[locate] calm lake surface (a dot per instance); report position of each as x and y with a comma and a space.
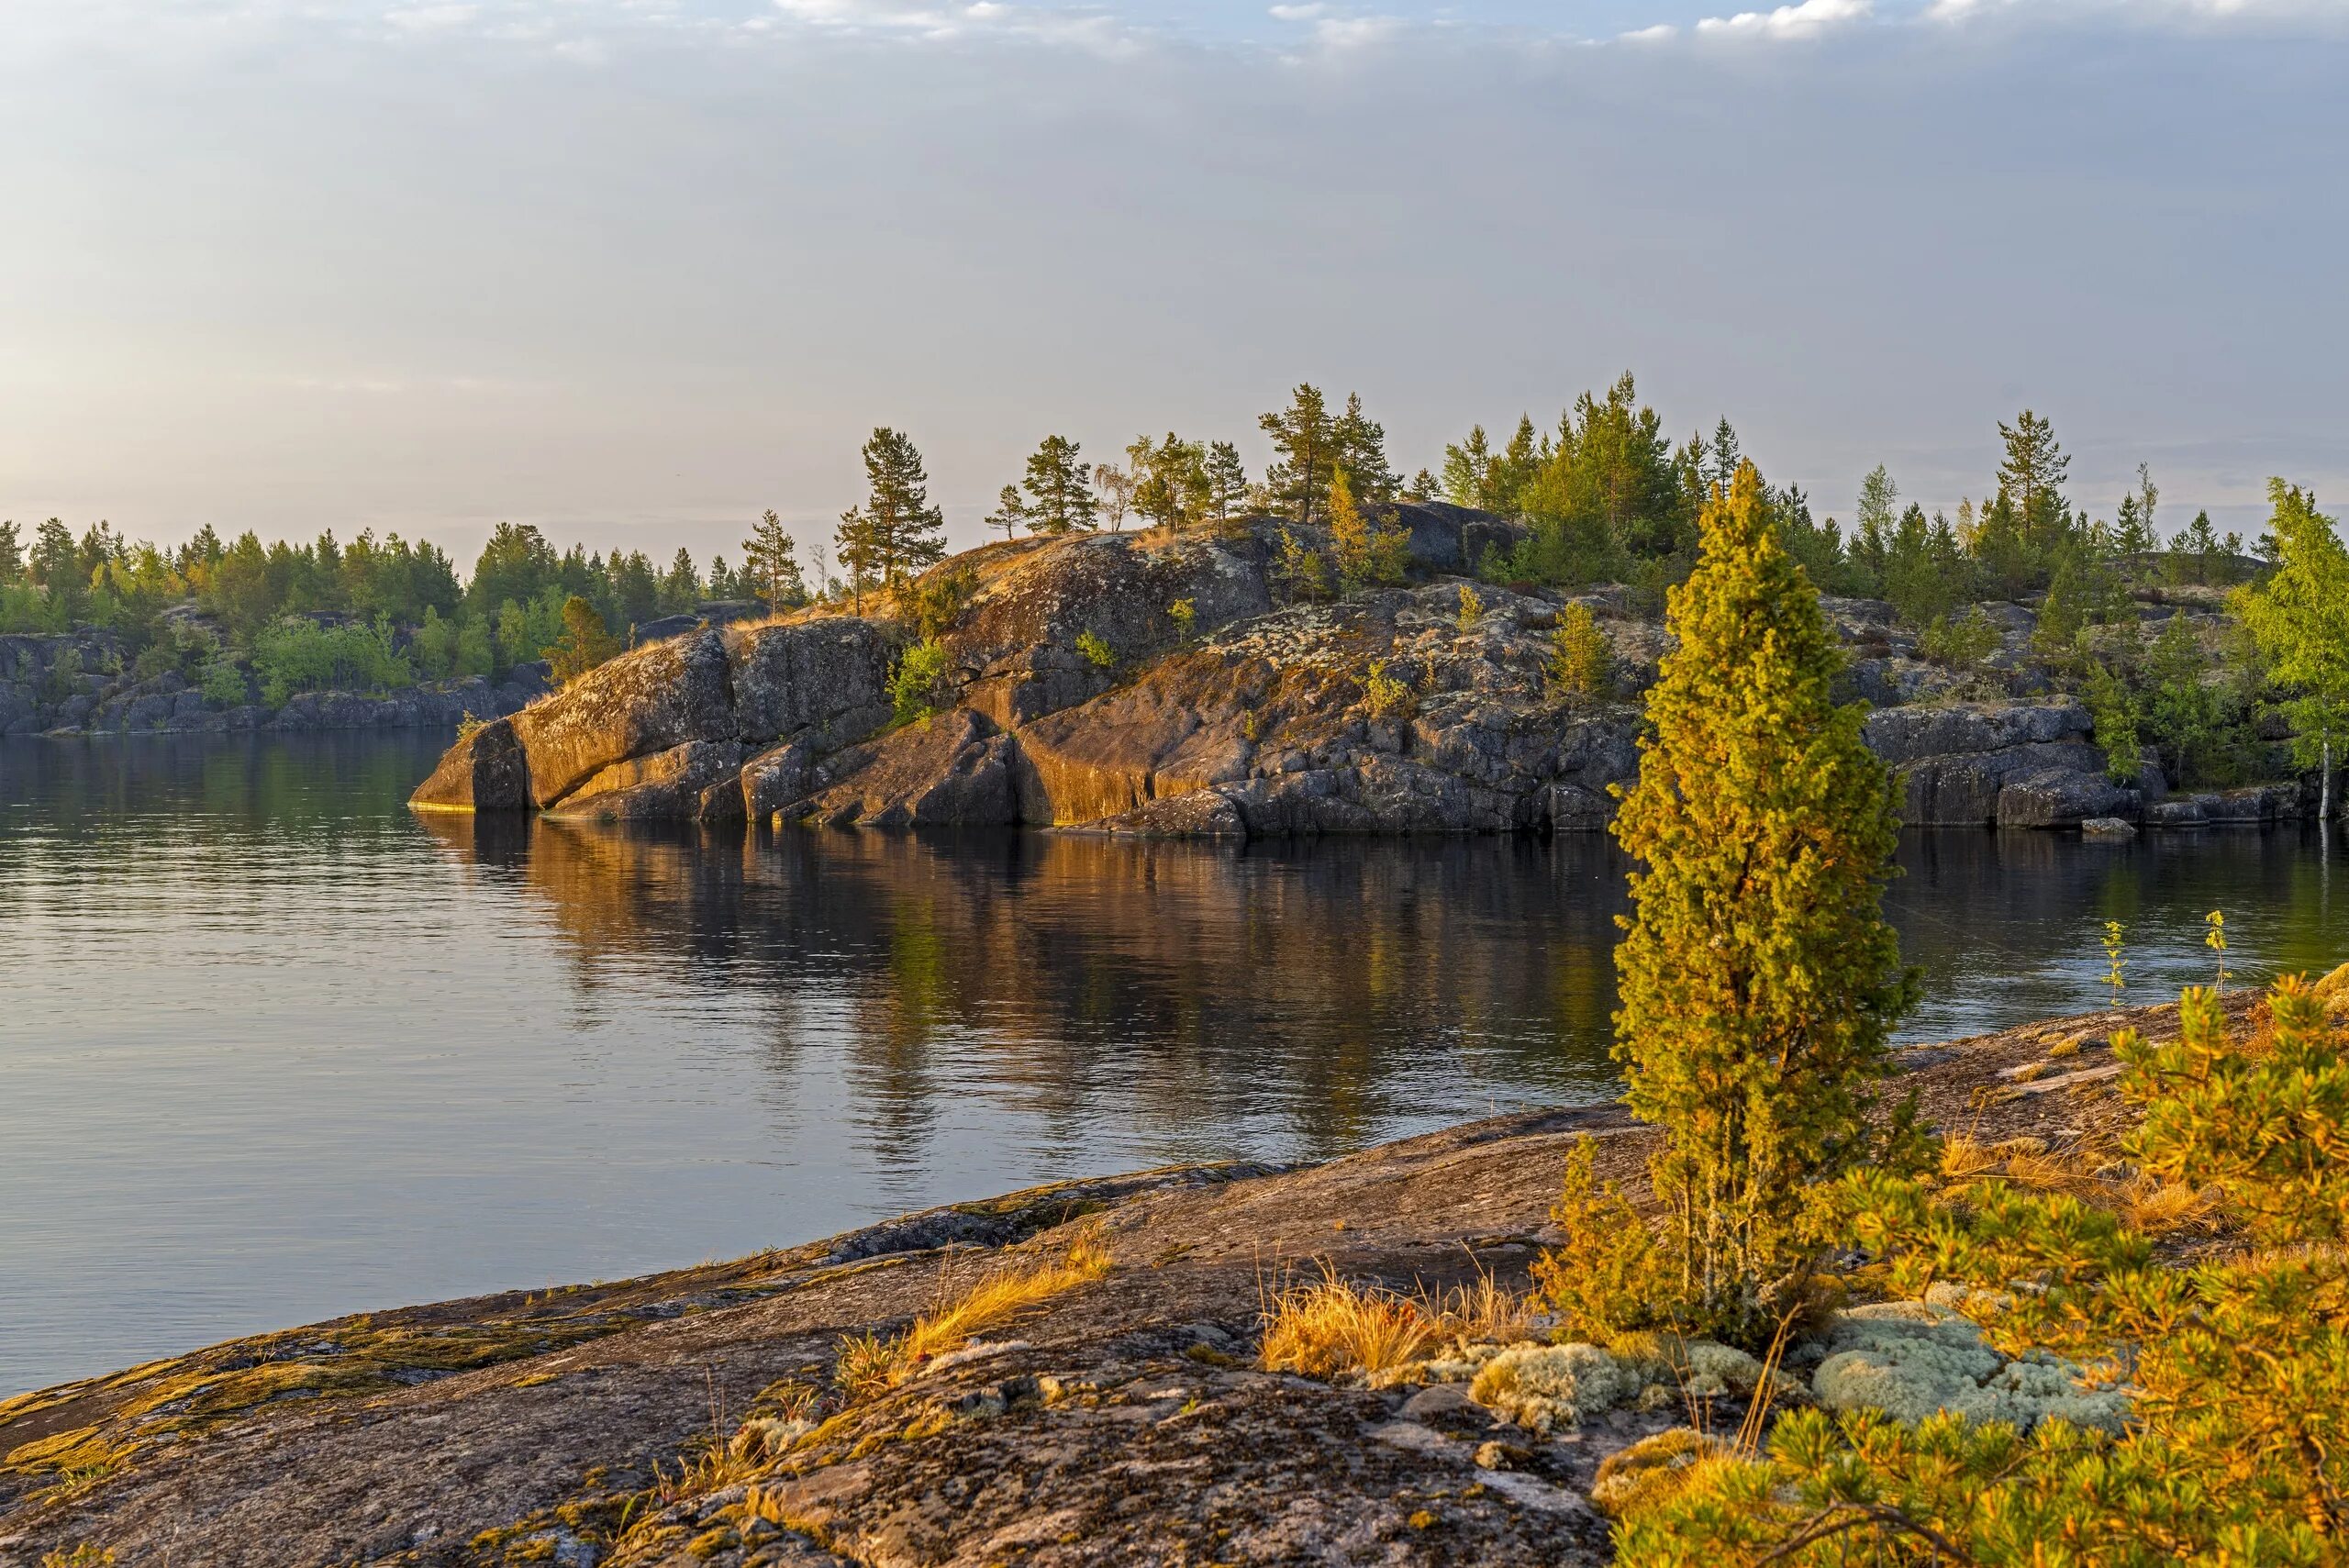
272, 1049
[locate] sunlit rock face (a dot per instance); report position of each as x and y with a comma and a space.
1192, 685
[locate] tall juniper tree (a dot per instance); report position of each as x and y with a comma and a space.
1757, 976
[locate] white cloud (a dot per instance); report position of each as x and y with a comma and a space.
1807, 20
1355, 32
430, 19
1297, 13
1659, 33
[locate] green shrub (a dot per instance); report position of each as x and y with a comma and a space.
1097, 653
221, 683
2237, 1367
1961, 642
1387, 698
1581, 659
297, 654
918, 687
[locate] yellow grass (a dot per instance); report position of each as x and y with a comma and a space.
866, 1364
1329, 1326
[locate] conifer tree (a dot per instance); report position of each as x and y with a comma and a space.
11, 556
586, 641
901, 532
2031, 480
1009, 512
1299, 477
1757, 976
2299, 618
1058, 497
1372, 551
1467, 469
1227, 481
771, 560
1360, 445
858, 553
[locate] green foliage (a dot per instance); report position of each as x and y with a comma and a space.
434, 646
1300, 569
1385, 697
2115, 969
1961, 642
584, 643
939, 599
771, 561
896, 530
1058, 499
1472, 607
919, 686
2197, 719
221, 683
2117, 717
1183, 612
2237, 1364
2300, 619
1757, 977
297, 654
1171, 483
1372, 550
1097, 653
1582, 662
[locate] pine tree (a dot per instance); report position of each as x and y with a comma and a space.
2032, 479
2299, 618
1467, 469
1058, 497
1170, 479
860, 555
1361, 454
1725, 459
771, 559
1581, 660
1009, 512
681, 588
12, 555
904, 533
1757, 976
1227, 481
584, 643
1303, 434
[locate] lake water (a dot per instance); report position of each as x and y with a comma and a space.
272, 1049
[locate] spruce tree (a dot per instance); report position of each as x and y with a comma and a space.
904, 532
1058, 497
1757, 976
771, 559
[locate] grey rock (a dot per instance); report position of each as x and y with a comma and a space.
2106, 827
644, 701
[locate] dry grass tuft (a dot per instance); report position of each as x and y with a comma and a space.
866, 1364
1326, 1327
1330, 1326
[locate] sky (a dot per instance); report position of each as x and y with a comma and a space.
636, 270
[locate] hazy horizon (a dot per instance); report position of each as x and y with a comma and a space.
634, 269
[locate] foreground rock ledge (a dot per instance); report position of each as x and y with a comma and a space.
401, 1437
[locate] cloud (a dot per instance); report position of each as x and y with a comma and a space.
2298, 16
1807, 20
1660, 33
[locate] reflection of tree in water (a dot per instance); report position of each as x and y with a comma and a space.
1312, 995
1309, 996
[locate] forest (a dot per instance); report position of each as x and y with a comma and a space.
2167, 633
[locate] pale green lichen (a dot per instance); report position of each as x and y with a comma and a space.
1912, 1359
1545, 1389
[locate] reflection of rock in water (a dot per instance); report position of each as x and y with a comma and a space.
1200, 984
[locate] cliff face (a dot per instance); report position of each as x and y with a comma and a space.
1140, 683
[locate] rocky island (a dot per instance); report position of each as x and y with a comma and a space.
1188, 684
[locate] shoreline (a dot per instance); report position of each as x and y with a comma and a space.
324, 1443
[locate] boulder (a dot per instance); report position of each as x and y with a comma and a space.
2106, 827
648, 700
663, 786
484, 771
829, 676
951, 770
2184, 812
2063, 798
775, 780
